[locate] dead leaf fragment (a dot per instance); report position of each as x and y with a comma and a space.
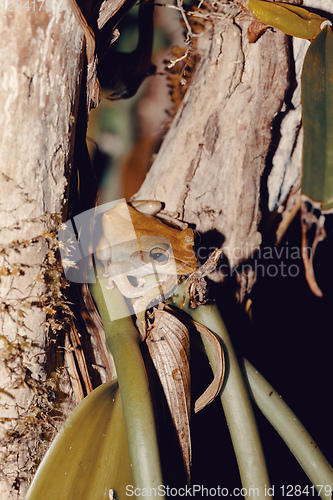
107, 10
169, 347
93, 86
196, 284
214, 388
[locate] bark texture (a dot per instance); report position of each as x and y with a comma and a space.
210, 166
233, 152
40, 67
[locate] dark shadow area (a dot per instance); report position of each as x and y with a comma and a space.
289, 340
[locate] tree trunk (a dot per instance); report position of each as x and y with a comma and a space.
210, 166
41, 66
231, 161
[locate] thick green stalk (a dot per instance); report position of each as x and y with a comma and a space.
292, 432
122, 339
236, 405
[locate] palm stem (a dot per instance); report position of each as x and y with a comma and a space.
236, 405
122, 339
292, 432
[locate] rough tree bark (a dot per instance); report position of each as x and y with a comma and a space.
233, 152
210, 166
41, 60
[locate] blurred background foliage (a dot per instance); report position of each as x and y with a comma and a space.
123, 135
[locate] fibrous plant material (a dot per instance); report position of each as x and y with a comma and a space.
169, 348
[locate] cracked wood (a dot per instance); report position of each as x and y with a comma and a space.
210, 165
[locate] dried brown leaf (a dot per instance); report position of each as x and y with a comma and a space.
169, 347
214, 388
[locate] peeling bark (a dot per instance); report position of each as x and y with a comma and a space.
210, 165
233, 152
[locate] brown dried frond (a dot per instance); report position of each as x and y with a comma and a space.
169, 348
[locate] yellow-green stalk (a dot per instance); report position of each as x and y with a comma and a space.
292, 432
122, 339
236, 405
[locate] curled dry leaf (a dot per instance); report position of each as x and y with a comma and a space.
214, 388
169, 347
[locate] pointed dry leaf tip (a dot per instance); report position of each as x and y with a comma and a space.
169, 347
214, 388
308, 220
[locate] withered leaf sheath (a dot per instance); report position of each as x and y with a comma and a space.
317, 181
214, 388
169, 347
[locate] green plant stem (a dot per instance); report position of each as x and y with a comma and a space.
292, 432
236, 405
122, 338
